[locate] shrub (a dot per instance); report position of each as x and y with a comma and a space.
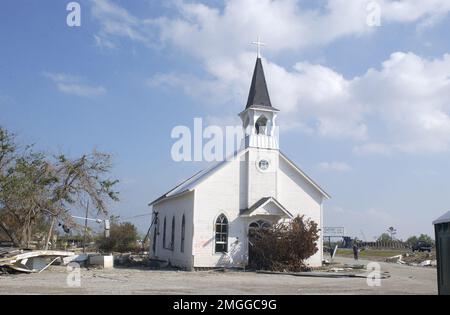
123, 238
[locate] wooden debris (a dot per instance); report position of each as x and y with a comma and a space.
31, 262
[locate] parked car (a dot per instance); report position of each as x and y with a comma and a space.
422, 247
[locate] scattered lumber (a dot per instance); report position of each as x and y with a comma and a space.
30, 261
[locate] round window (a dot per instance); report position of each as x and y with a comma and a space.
264, 165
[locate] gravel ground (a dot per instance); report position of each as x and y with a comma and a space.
403, 280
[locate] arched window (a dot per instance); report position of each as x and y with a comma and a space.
172, 236
183, 233
254, 225
261, 224
261, 126
221, 234
164, 232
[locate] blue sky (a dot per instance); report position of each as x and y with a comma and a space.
365, 110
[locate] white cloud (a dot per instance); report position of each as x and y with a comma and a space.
338, 167
285, 24
401, 107
413, 10
214, 91
409, 96
372, 148
69, 84
117, 22
315, 98
102, 41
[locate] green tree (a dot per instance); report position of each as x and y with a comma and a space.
123, 238
37, 190
412, 240
426, 238
7, 150
385, 237
422, 238
24, 195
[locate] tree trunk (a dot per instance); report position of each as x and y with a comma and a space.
50, 231
11, 236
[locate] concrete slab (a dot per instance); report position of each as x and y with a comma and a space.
105, 262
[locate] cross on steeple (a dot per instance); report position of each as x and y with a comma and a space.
258, 44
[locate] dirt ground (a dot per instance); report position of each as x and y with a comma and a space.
403, 280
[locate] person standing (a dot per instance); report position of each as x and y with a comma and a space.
355, 251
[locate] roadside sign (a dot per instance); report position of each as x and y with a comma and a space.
333, 231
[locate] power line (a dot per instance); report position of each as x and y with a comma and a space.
136, 216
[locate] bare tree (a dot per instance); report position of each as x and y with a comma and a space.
81, 181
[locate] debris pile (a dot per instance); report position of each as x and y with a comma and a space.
283, 247
142, 260
414, 259
131, 260
345, 271
17, 260
396, 259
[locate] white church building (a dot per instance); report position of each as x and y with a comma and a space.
205, 221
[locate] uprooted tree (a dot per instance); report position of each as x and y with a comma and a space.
284, 246
37, 191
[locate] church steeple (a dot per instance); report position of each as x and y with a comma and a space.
259, 94
259, 117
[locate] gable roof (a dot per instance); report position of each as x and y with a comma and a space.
261, 203
192, 182
304, 175
259, 94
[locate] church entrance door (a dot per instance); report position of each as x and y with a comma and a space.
253, 230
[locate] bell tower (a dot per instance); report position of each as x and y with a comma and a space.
259, 121
259, 118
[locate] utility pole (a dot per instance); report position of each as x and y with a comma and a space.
392, 232
85, 227
154, 222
